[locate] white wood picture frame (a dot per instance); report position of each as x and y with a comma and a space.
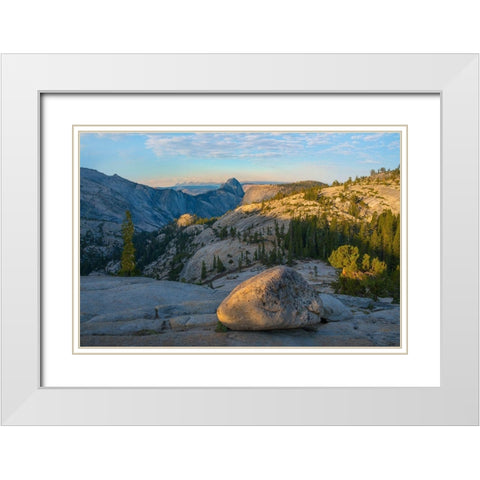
26, 77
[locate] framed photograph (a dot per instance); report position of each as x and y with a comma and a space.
206, 263
240, 239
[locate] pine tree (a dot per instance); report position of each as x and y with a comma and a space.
290, 256
272, 257
366, 262
204, 270
277, 231
345, 257
128, 266
223, 233
378, 267
220, 266
396, 242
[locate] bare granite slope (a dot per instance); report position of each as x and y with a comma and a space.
139, 311
262, 218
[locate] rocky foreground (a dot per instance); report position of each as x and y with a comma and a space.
141, 311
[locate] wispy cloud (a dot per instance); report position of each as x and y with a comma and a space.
235, 145
373, 137
370, 161
112, 136
394, 145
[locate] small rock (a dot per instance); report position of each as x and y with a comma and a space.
355, 302
186, 322
387, 316
113, 267
333, 309
385, 299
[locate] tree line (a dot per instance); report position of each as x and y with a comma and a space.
316, 237
373, 246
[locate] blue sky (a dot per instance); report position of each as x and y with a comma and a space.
164, 158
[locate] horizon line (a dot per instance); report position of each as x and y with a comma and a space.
216, 182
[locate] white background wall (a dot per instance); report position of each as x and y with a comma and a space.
246, 452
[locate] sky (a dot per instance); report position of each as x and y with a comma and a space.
161, 159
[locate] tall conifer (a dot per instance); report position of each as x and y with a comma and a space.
128, 265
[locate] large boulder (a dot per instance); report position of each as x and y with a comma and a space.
276, 298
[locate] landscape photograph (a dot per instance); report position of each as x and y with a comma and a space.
235, 239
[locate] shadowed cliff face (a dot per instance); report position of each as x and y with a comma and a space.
106, 198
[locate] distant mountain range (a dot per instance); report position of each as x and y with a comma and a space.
106, 198
195, 188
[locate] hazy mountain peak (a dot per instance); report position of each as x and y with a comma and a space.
232, 181
233, 185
